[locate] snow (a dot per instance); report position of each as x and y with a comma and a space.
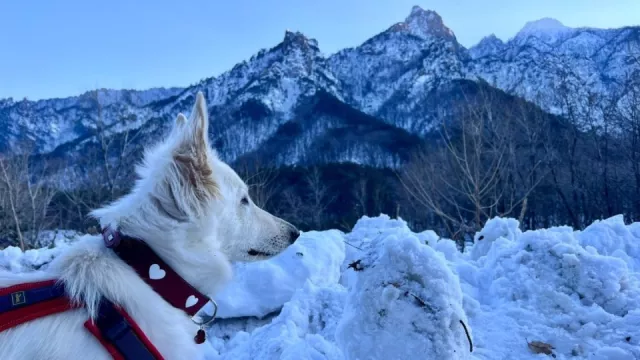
546, 286
405, 289
382, 291
14, 260
316, 257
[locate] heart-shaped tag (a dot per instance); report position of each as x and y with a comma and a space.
155, 273
191, 300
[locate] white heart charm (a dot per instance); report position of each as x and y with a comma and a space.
191, 300
155, 273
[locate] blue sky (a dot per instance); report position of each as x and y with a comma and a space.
60, 48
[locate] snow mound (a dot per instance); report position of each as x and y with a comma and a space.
383, 291
494, 230
546, 286
612, 237
404, 290
260, 288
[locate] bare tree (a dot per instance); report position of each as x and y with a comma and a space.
103, 172
292, 207
25, 197
361, 196
114, 146
12, 191
318, 199
262, 183
474, 175
628, 114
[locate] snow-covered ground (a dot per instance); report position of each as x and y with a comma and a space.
385, 292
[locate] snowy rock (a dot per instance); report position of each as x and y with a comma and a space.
489, 45
407, 61
546, 56
424, 24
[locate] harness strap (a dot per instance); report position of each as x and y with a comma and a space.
25, 302
120, 335
114, 328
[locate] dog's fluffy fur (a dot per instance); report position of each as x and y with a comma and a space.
194, 211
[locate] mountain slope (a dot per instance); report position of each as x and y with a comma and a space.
369, 104
53, 122
392, 72
326, 130
554, 65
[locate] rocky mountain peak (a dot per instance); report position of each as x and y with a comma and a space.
424, 24
488, 45
296, 39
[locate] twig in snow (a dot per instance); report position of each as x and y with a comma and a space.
420, 301
346, 242
468, 337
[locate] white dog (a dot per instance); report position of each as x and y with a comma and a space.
193, 211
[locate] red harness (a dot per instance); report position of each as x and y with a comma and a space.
113, 327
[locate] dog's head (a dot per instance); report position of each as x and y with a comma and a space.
184, 189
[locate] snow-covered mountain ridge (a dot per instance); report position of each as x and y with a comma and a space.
548, 63
400, 80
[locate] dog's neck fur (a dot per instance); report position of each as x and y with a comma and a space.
176, 243
82, 269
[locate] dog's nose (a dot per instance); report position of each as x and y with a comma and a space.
294, 234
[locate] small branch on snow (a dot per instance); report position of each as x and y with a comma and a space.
466, 331
421, 302
346, 242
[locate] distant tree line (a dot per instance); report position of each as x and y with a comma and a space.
489, 157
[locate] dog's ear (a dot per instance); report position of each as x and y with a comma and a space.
192, 153
181, 121
192, 132
197, 127
178, 127
186, 186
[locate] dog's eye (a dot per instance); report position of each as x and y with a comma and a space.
244, 201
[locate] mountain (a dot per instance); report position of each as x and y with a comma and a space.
393, 74
53, 122
276, 107
559, 67
370, 104
250, 102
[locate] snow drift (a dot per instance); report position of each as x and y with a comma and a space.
385, 292
405, 300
